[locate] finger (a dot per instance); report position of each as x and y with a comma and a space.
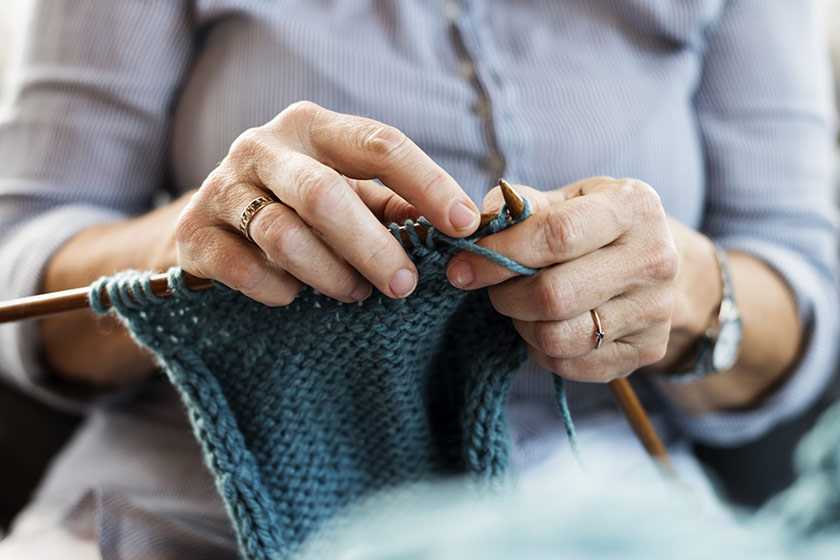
290, 243
325, 201
560, 231
563, 291
620, 318
618, 359
285, 239
365, 149
386, 205
210, 252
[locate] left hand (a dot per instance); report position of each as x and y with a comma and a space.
600, 243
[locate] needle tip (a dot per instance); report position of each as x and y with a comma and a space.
515, 204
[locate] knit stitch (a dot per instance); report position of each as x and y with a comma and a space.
303, 409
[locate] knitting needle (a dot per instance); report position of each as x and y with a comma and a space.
45, 305
621, 389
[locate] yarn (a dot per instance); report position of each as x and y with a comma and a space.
304, 409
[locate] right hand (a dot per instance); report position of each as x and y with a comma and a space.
327, 232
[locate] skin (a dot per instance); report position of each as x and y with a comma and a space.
600, 243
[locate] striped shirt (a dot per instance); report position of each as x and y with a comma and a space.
723, 106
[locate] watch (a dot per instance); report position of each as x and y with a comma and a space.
719, 345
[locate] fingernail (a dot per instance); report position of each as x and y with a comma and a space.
362, 291
462, 216
461, 274
403, 283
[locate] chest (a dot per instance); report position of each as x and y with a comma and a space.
545, 92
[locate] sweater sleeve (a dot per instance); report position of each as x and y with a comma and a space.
765, 111
83, 140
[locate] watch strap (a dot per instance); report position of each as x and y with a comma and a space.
703, 364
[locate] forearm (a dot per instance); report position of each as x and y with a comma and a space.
772, 333
83, 346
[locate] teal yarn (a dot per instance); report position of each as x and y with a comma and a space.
433, 236
303, 410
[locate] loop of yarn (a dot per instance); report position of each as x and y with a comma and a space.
127, 290
435, 236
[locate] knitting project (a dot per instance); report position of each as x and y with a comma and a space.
303, 409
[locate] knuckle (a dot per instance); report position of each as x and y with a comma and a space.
565, 367
214, 185
249, 145
551, 296
434, 185
287, 294
661, 260
298, 114
378, 249
284, 238
561, 233
553, 339
341, 285
383, 142
244, 277
643, 198
189, 223
632, 358
650, 354
319, 193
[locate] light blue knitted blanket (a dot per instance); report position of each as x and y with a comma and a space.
304, 409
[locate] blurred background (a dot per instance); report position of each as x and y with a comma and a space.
31, 433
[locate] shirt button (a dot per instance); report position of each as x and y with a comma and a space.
494, 164
451, 11
481, 107
466, 69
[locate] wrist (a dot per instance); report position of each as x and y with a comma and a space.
93, 349
697, 296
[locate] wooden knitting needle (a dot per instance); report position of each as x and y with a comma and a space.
46, 305
621, 389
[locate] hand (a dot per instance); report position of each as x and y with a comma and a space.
601, 244
327, 232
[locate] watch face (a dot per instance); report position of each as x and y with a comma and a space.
725, 352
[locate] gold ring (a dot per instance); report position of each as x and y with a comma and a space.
250, 211
599, 332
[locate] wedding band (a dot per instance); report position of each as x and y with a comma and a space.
250, 211
599, 332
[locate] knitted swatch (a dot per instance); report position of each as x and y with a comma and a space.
303, 409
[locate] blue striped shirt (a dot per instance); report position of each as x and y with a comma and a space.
724, 107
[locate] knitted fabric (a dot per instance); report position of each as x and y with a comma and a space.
303, 409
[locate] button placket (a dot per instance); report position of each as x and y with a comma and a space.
494, 163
